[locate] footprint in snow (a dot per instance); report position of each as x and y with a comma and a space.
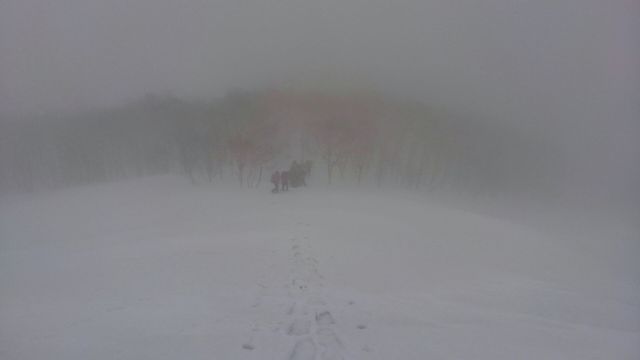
292, 309
299, 327
324, 318
304, 349
331, 348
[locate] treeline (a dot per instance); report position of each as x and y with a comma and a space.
356, 138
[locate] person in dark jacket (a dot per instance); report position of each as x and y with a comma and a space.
275, 180
294, 173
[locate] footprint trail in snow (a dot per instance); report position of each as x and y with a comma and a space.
307, 320
311, 320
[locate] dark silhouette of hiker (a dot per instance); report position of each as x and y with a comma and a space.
295, 174
284, 180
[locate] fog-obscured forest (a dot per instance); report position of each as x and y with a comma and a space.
358, 138
319, 179
498, 99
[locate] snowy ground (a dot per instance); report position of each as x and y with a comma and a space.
159, 269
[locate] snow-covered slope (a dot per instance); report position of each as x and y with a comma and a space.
159, 269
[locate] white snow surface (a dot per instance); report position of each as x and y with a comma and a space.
159, 269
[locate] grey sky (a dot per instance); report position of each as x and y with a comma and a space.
493, 53
561, 66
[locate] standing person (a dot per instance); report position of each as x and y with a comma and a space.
294, 172
284, 179
275, 180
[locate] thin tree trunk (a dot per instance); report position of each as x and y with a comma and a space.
259, 177
240, 173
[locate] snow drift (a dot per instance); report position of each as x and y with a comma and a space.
159, 269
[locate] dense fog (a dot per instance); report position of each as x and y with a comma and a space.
319, 179
497, 98
351, 138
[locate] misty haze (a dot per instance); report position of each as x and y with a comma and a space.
225, 179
